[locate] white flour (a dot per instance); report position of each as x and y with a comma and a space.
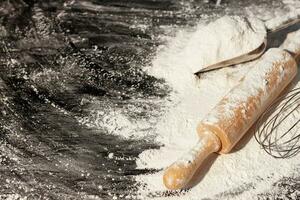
276, 22
236, 36
248, 170
290, 44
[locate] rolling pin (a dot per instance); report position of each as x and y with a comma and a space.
230, 119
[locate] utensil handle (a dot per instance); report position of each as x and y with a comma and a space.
178, 175
281, 22
239, 59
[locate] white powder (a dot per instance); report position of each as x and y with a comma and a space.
277, 22
117, 122
291, 44
248, 169
202, 144
236, 36
110, 155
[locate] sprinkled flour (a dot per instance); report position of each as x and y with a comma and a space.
248, 171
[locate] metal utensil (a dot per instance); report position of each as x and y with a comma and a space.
276, 137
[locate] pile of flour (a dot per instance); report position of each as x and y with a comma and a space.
246, 172
235, 36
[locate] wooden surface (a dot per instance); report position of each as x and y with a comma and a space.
63, 60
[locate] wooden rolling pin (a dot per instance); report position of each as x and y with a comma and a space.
230, 119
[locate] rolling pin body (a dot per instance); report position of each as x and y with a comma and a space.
230, 119
239, 109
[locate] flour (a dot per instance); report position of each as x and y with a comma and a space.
116, 122
277, 22
248, 170
291, 44
236, 36
204, 143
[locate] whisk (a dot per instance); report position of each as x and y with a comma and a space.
278, 128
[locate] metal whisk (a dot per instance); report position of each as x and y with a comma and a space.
278, 128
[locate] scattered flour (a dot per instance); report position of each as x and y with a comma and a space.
110, 155
248, 170
117, 122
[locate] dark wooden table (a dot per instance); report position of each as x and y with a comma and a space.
63, 60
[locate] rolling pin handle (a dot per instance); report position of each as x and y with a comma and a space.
180, 172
